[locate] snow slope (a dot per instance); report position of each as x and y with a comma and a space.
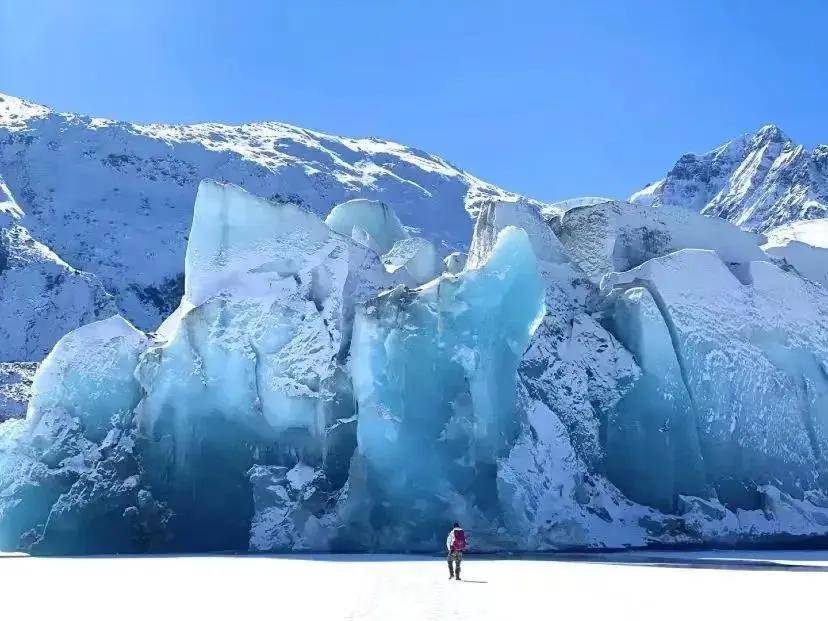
15, 388
811, 232
758, 181
802, 245
43, 296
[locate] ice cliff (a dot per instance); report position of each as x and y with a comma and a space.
600, 375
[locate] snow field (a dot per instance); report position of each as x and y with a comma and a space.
395, 588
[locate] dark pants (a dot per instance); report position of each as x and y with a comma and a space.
457, 557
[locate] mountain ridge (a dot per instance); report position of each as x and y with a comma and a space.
758, 181
115, 199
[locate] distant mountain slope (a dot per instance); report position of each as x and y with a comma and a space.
759, 181
42, 296
115, 199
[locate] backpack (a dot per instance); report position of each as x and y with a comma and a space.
459, 543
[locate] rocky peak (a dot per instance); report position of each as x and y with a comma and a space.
758, 181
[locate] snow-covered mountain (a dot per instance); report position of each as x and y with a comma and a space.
114, 199
592, 373
758, 181
43, 296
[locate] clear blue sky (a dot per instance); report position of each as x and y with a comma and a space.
551, 99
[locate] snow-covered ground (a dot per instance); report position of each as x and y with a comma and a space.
612, 587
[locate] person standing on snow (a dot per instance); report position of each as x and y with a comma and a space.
456, 543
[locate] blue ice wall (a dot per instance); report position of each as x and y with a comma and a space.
434, 374
248, 371
251, 372
650, 440
740, 358
70, 477
302, 398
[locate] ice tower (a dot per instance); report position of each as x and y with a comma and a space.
435, 375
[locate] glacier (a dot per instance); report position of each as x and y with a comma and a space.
251, 373
617, 236
371, 222
753, 403
437, 367
416, 258
599, 375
